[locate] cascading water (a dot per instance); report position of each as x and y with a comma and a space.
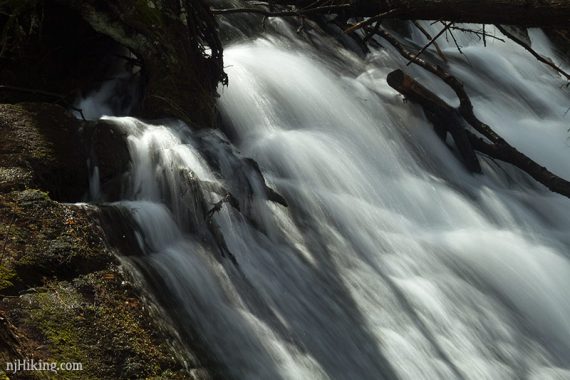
390, 261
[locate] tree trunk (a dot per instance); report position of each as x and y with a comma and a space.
543, 13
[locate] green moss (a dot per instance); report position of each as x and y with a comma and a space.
148, 12
99, 322
6, 277
56, 316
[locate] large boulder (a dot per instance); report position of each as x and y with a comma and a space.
43, 146
64, 294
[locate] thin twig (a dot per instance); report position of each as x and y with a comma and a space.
458, 47
32, 91
447, 26
478, 33
428, 36
370, 20
263, 12
455, 42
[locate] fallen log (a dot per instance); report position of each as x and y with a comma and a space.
444, 118
527, 13
547, 13
497, 148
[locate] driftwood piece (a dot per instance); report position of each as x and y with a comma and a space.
498, 149
443, 117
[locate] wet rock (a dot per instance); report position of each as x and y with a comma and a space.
121, 230
109, 152
64, 297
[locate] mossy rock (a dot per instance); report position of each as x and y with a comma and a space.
100, 321
7, 275
67, 299
46, 239
63, 296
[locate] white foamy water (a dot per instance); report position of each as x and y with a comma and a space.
391, 260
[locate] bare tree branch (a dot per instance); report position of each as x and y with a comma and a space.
533, 52
429, 37
295, 12
371, 20
479, 33
429, 44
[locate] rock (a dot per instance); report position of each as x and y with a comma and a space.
15, 178
42, 140
120, 230
99, 320
47, 239
109, 152
64, 296
74, 58
41, 146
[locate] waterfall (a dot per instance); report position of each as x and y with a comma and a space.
390, 260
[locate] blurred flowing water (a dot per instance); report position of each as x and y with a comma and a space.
390, 261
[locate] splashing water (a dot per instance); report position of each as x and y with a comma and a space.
391, 260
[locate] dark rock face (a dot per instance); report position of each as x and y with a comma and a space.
64, 296
43, 146
39, 144
53, 51
561, 40
108, 151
